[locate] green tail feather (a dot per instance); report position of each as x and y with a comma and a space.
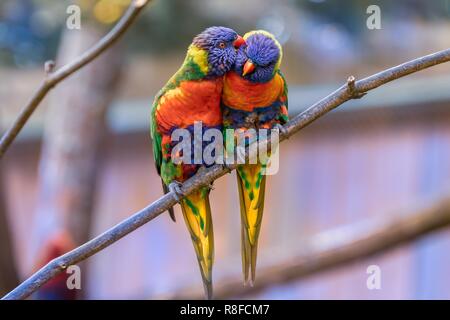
197, 215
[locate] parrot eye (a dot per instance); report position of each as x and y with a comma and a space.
222, 45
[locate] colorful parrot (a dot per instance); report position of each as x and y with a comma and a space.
254, 97
193, 94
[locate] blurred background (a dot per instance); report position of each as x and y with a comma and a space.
83, 163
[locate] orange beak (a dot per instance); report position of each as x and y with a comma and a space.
239, 42
249, 67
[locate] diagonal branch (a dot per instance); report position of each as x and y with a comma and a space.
53, 78
352, 89
334, 248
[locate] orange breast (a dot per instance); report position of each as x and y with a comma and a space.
191, 101
241, 94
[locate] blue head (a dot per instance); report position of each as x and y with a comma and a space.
219, 44
260, 58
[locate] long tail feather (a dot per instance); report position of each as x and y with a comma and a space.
251, 185
170, 210
197, 215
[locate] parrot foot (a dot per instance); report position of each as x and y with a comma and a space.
175, 188
281, 129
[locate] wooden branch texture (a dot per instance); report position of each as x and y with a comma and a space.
352, 89
53, 78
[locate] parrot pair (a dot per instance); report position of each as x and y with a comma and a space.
227, 82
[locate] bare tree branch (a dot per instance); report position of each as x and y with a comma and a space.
53, 78
352, 89
333, 248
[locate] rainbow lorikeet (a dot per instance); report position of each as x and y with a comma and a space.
254, 97
193, 94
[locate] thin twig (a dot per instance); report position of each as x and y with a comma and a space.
334, 248
53, 78
330, 102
